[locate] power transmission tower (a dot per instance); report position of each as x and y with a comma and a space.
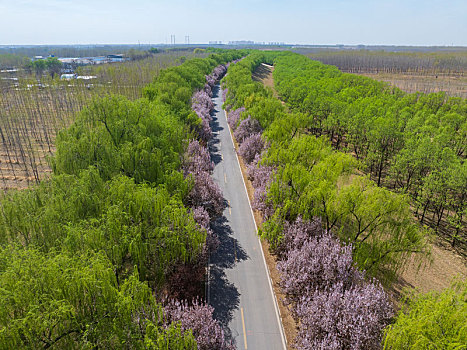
187, 39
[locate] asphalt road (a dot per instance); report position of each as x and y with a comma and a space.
239, 289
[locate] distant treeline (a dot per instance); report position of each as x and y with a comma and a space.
21, 56
364, 61
71, 51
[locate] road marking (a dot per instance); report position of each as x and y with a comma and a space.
244, 332
230, 208
225, 177
222, 157
276, 307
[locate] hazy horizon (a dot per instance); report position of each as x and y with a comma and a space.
392, 23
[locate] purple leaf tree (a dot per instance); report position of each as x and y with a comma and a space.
207, 194
202, 218
234, 117
250, 147
316, 264
199, 318
197, 158
247, 128
260, 176
340, 318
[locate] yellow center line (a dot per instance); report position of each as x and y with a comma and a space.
244, 331
230, 209
225, 177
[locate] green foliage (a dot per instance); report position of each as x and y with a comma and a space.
53, 65
310, 178
75, 303
50, 64
8, 60
133, 225
135, 138
84, 254
415, 143
431, 321
379, 225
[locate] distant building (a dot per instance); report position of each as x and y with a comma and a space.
68, 76
86, 77
115, 58
241, 42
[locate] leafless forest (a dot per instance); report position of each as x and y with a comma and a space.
33, 111
410, 71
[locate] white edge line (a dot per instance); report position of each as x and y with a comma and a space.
276, 307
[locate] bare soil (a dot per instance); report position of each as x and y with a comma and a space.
263, 74
453, 85
444, 265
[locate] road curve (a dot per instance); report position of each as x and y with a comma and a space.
239, 289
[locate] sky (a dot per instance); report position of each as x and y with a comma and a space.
384, 22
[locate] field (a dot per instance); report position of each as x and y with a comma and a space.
453, 85
422, 71
32, 113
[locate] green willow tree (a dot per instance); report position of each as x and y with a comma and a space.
403, 139
76, 303
86, 255
313, 180
431, 321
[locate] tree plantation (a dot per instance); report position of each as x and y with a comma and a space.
89, 255
34, 107
353, 179
338, 214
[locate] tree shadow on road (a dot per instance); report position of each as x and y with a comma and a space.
214, 143
223, 295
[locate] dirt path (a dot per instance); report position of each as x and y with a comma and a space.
435, 275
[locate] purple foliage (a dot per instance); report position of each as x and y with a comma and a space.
199, 318
197, 158
260, 176
202, 218
247, 128
336, 307
205, 131
210, 81
219, 72
202, 104
234, 117
208, 89
250, 147
207, 194
340, 318
318, 264
295, 234
214, 77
